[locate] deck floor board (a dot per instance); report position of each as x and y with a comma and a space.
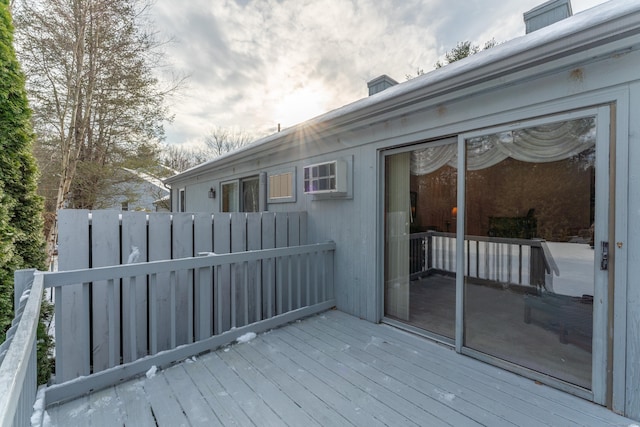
428, 389
332, 369
134, 409
487, 379
428, 369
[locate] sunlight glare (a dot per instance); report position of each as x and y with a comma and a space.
302, 104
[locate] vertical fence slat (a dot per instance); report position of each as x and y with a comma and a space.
113, 321
72, 330
182, 240
190, 304
254, 242
282, 241
203, 242
307, 279
173, 308
153, 314
289, 263
234, 299
105, 251
279, 285
134, 250
245, 293
222, 245
131, 324
160, 249
238, 244
268, 266
217, 300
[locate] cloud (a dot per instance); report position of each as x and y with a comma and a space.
256, 63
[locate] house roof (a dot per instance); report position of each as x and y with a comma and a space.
148, 178
587, 30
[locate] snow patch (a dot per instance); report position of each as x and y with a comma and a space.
374, 341
152, 372
46, 421
444, 396
38, 408
246, 337
25, 295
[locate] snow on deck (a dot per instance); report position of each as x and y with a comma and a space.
331, 369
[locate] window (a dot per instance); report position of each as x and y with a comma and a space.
282, 187
241, 195
125, 206
329, 177
230, 196
250, 194
182, 200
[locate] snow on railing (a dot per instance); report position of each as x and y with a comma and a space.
18, 366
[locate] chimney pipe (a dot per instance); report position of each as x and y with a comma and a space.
546, 14
380, 83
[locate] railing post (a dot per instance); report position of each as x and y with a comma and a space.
536, 267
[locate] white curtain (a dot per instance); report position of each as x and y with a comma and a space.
538, 144
398, 217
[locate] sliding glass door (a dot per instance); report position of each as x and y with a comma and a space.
508, 259
530, 213
420, 218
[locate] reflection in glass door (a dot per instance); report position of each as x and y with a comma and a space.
420, 226
529, 247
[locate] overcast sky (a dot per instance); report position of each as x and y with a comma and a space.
255, 63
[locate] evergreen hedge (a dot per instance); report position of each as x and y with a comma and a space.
21, 225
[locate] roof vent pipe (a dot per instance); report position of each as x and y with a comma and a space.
380, 83
546, 14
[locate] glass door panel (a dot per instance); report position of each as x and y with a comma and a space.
529, 247
420, 226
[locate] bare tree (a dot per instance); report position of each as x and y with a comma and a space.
181, 158
90, 67
221, 140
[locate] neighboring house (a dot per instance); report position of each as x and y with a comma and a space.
491, 205
139, 191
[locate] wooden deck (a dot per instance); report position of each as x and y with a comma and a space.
332, 369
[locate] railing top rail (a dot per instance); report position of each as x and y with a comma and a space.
13, 369
506, 240
70, 277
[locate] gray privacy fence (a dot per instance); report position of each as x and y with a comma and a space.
125, 319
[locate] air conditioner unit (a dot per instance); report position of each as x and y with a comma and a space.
326, 178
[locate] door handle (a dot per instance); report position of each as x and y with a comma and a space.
604, 261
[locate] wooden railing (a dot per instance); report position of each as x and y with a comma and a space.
229, 295
18, 370
505, 260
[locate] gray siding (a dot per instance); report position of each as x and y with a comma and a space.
601, 76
